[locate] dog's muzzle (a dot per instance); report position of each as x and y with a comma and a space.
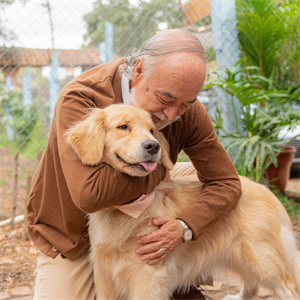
151, 146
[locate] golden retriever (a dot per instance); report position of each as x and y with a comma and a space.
254, 239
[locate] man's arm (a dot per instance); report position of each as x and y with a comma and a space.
214, 168
97, 187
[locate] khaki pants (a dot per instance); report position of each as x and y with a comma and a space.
65, 279
61, 278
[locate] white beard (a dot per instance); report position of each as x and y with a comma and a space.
158, 114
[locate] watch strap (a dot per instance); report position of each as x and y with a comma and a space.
185, 228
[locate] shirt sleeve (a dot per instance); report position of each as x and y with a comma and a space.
93, 187
215, 169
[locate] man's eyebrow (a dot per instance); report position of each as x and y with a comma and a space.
168, 94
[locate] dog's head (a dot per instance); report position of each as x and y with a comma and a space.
122, 136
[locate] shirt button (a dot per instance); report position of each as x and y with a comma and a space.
54, 249
85, 234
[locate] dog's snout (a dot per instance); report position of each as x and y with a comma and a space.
151, 146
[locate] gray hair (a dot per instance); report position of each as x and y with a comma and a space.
161, 44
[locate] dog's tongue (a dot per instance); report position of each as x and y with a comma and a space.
149, 165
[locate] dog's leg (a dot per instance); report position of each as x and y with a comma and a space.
105, 287
150, 292
244, 294
284, 294
150, 284
281, 293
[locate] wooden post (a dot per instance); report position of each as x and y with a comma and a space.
39, 157
28, 187
14, 206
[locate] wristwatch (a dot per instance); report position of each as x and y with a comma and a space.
187, 231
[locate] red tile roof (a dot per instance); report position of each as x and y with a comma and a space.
20, 57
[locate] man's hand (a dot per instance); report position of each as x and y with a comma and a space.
167, 238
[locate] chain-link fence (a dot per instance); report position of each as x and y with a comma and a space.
44, 44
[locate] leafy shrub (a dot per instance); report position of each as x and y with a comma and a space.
13, 114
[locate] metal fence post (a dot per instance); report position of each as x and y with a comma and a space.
102, 47
107, 47
225, 37
54, 84
9, 130
27, 92
8, 82
109, 41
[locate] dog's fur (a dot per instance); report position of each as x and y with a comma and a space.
254, 239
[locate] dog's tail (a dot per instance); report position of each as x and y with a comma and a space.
297, 273
292, 260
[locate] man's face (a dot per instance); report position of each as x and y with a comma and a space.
170, 88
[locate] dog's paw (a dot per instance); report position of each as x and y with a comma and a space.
233, 297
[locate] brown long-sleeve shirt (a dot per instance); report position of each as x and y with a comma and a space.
64, 190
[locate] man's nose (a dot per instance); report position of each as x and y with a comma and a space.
173, 112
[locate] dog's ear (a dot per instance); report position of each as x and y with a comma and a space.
87, 137
164, 145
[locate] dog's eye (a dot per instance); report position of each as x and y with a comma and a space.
123, 127
151, 131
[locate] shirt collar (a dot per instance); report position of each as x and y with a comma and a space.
125, 90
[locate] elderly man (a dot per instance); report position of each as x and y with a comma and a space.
164, 78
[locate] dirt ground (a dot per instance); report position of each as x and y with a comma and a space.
17, 256
17, 259
26, 167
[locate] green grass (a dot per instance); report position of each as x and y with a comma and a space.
3, 182
291, 206
25, 169
182, 157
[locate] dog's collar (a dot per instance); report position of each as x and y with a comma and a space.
137, 207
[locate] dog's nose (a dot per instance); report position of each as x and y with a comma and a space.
151, 146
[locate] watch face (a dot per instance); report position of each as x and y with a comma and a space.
188, 235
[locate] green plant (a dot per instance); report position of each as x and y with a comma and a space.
21, 119
38, 140
269, 35
182, 157
265, 113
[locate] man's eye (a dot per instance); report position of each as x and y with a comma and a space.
123, 127
162, 100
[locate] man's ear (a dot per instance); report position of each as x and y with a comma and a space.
164, 145
87, 137
137, 72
